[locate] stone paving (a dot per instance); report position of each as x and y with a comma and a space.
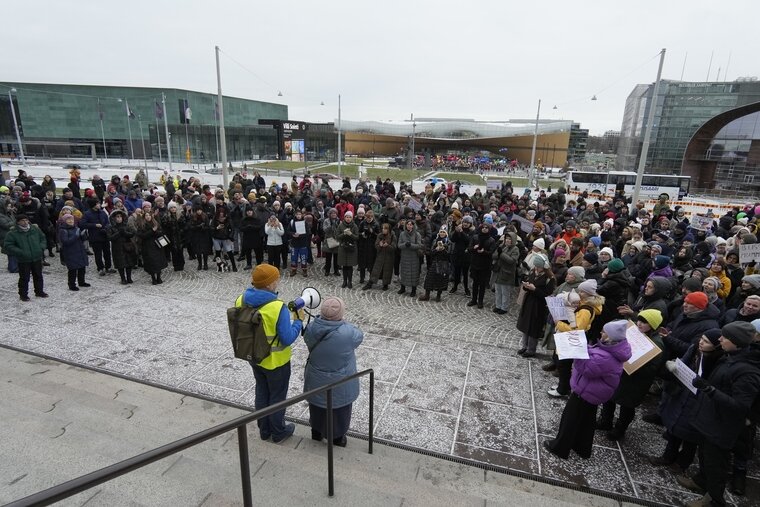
447, 377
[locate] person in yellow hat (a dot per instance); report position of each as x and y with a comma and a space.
272, 374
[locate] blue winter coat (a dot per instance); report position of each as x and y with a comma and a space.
331, 360
73, 252
90, 220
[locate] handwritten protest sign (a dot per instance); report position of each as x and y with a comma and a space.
493, 185
559, 310
684, 375
643, 349
414, 204
749, 253
701, 223
571, 345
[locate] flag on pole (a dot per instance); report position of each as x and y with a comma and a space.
185, 113
130, 114
216, 110
159, 110
100, 111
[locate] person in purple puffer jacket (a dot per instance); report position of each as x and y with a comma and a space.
593, 382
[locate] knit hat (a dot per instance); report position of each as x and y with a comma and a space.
689, 237
740, 333
639, 245
578, 272
652, 317
116, 201
589, 287
608, 251
63, 217
661, 261
615, 266
715, 281
698, 299
591, 258
753, 280
596, 240
264, 275
558, 253
713, 335
21, 217
146, 204
756, 322
539, 261
488, 219
539, 243
616, 330
332, 308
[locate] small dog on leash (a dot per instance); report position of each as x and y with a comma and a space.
222, 266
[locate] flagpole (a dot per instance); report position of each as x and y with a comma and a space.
187, 136
102, 132
158, 134
129, 127
222, 140
166, 131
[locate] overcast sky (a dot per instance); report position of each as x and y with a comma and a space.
487, 60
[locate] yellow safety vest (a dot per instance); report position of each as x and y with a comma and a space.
280, 354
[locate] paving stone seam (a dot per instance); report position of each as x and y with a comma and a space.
535, 416
627, 471
461, 404
395, 384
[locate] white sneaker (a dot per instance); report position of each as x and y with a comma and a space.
554, 393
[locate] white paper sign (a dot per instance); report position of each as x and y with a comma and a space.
571, 345
701, 223
300, 227
639, 343
414, 205
559, 310
749, 253
684, 374
493, 185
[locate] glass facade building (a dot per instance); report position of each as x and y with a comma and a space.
681, 109
63, 120
736, 150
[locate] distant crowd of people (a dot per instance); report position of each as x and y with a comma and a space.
614, 263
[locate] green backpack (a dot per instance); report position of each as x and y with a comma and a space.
249, 339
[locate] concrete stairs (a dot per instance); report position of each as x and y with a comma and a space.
61, 421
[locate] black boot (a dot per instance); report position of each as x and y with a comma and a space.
738, 484
123, 276
345, 278
401, 290
350, 277
129, 275
231, 256
453, 289
200, 263
467, 291
158, 278
361, 275
73, 279
438, 297
80, 278
205, 262
153, 279
367, 285
414, 291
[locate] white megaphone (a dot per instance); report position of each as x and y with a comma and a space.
310, 298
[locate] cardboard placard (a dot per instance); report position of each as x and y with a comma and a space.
571, 345
559, 310
643, 349
700, 223
749, 253
300, 227
414, 204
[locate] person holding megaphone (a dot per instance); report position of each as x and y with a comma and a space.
272, 374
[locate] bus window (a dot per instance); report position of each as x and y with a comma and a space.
650, 181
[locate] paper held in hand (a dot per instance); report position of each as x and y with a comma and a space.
300, 227
643, 349
684, 375
749, 252
559, 311
571, 345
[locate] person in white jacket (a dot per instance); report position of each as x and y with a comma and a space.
274, 231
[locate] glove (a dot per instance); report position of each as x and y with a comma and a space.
301, 315
670, 366
408, 244
702, 385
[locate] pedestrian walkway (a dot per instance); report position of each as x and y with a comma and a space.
448, 380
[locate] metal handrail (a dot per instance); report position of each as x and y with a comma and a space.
92, 479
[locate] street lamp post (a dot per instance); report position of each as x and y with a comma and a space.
15, 124
102, 132
142, 143
222, 138
129, 129
647, 134
166, 131
533, 150
340, 148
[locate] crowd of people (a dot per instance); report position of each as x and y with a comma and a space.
615, 263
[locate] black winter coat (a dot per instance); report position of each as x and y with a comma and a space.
481, 260
534, 312
252, 229
198, 235
91, 220
73, 252
686, 330
722, 414
154, 258
123, 250
614, 288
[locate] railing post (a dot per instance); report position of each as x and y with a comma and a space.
371, 409
245, 468
329, 435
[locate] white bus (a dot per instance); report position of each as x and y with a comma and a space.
606, 184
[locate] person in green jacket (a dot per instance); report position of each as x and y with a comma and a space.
27, 243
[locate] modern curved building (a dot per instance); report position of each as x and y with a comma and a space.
706, 130
557, 142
